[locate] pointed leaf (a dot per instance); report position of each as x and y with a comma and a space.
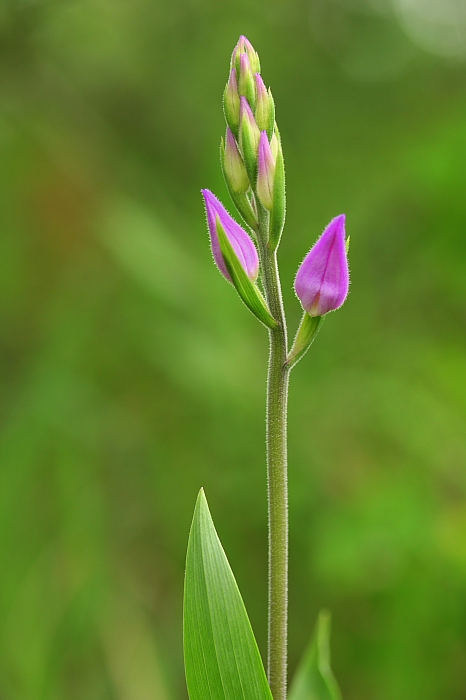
248, 291
314, 679
221, 656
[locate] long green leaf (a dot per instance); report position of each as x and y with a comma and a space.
314, 679
222, 660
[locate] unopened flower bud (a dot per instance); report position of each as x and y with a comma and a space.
237, 51
231, 102
241, 243
246, 82
249, 136
248, 121
233, 166
274, 145
265, 107
252, 55
245, 46
265, 172
322, 280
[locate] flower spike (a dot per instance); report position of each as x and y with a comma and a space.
322, 280
241, 243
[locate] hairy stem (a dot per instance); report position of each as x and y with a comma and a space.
277, 480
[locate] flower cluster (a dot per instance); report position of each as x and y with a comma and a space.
252, 162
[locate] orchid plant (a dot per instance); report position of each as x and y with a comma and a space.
222, 659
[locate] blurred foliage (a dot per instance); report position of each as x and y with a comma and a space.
132, 375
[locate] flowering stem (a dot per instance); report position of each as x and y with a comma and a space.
277, 396
252, 163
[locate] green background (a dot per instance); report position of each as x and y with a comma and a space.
131, 374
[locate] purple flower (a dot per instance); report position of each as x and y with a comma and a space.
322, 280
239, 239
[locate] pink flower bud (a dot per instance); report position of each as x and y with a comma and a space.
233, 164
274, 145
240, 241
245, 46
248, 125
265, 108
231, 102
246, 83
265, 172
322, 280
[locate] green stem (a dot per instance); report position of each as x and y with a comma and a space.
277, 480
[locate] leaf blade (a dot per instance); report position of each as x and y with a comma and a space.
221, 656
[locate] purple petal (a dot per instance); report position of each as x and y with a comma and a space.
322, 280
239, 239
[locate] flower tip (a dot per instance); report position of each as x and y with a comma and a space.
341, 218
245, 110
261, 89
337, 224
208, 196
340, 222
334, 231
244, 64
229, 137
244, 42
265, 157
244, 46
